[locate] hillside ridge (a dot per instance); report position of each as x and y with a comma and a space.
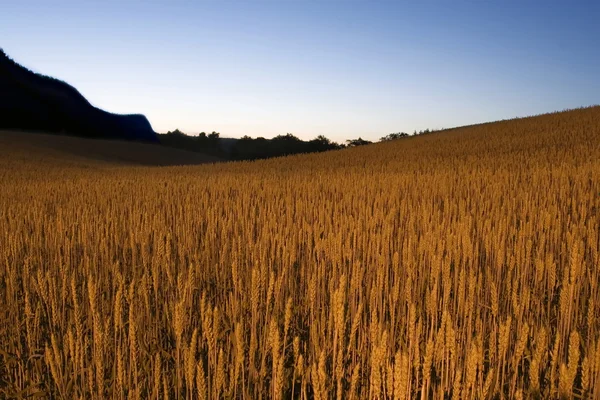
32, 101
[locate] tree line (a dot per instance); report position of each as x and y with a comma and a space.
248, 148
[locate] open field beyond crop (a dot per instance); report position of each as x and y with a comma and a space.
462, 264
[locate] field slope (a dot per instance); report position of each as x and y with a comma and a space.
462, 264
51, 150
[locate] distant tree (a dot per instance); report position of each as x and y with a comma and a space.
288, 137
213, 137
423, 132
393, 136
200, 143
357, 142
321, 143
247, 148
287, 144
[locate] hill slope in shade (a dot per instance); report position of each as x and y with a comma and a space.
56, 150
32, 101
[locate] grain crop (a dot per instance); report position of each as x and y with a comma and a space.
462, 264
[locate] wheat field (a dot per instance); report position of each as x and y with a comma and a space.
458, 265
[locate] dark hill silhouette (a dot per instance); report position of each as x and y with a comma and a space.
31, 101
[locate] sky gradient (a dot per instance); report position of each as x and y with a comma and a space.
342, 69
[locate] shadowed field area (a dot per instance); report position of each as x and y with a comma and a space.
45, 148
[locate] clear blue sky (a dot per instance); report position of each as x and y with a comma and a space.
339, 68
